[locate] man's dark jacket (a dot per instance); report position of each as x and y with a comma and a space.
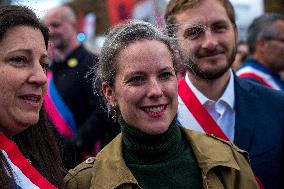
259, 129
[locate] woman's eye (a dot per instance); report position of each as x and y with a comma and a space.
136, 80
18, 59
166, 75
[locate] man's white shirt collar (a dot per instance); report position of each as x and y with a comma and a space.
228, 96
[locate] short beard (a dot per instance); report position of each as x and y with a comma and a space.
193, 67
61, 46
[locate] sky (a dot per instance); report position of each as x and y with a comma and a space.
39, 6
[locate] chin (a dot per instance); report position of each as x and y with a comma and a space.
157, 130
30, 120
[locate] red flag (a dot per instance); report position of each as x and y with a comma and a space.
120, 10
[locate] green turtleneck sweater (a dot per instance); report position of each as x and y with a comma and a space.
160, 161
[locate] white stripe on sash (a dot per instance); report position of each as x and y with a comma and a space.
266, 77
21, 180
27, 177
186, 119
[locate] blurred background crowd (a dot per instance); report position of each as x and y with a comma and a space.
97, 16
80, 33
77, 31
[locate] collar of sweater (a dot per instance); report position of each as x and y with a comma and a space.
110, 170
145, 149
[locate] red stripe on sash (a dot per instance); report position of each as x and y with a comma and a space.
201, 115
198, 111
255, 76
23, 164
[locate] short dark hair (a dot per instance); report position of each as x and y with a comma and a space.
177, 6
14, 15
262, 27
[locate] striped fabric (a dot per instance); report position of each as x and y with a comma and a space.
192, 115
26, 176
258, 72
58, 111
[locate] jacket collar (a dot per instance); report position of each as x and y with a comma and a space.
228, 96
247, 101
211, 151
110, 170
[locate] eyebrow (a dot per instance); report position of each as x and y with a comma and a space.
27, 51
143, 72
168, 68
189, 25
198, 24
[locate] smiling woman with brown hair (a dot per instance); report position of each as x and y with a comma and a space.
137, 75
28, 154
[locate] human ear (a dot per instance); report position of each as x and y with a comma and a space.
109, 94
261, 44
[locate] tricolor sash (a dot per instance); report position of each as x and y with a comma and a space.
255, 71
198, 115
204, 121
58, 111
26, 176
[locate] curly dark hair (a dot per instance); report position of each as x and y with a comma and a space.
37, 142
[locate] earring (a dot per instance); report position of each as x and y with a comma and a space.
108, 110
114, 115
111, 112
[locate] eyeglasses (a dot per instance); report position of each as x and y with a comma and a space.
275, 39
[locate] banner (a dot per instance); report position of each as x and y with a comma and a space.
119, 10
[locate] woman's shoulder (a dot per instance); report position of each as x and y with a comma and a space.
215, 153
81, 175
210, 144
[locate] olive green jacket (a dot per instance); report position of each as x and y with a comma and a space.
223, 166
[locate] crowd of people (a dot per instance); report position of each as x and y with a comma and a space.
189, 106
71, 103
265, 42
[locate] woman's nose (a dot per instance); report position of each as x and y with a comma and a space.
38, 75
155, 89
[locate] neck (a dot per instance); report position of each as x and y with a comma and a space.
212, 89
72, 45
142, 148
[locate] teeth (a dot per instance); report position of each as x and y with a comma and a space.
154, 109
32, 98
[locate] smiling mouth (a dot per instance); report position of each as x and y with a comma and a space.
211, 56
31, 98
155, 111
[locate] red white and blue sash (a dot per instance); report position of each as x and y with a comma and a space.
26, 176
193, 115
60, 114
261, 74
58, 111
